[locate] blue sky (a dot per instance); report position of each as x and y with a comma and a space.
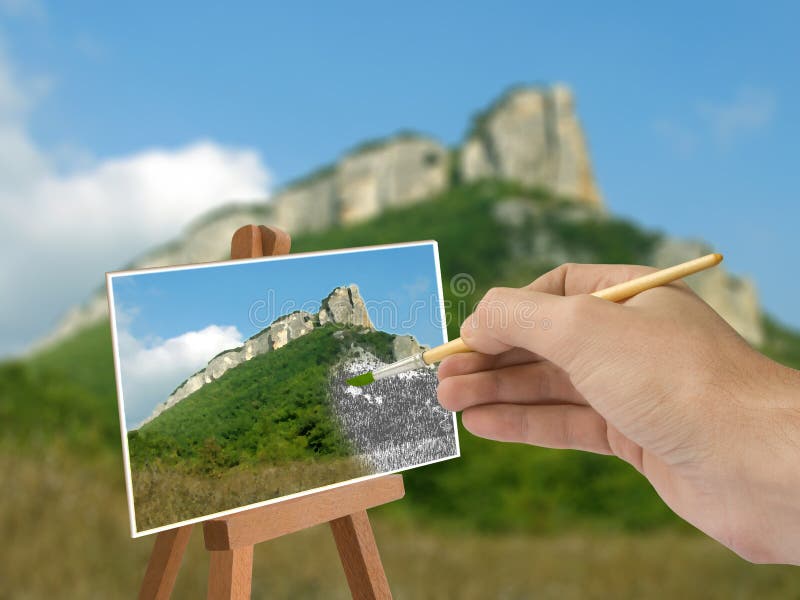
170, 323
692, 112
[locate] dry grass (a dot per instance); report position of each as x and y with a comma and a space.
164, 495
65, 527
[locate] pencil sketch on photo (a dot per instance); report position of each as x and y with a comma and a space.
232, 378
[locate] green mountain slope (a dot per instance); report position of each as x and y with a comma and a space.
493, 486
286, 417
214, 451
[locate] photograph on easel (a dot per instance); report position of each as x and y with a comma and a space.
242, 383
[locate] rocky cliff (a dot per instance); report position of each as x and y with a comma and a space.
531, 135
398, 171
343, 306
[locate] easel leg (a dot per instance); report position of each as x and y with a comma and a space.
360, 558
230, 574
165, 560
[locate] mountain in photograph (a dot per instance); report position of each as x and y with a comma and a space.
275, 408
343, 306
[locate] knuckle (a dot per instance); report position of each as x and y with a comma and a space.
492, 296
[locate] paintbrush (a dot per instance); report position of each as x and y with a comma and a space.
615, 293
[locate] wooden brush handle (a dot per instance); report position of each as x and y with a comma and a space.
628, 289
615, 293
439, 353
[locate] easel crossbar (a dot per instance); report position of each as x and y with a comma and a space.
258, 525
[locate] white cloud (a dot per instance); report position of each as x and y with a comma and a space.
751, 110
61, 229
152, 369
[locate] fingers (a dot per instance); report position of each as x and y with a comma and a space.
536, 382
571, 279
471, 362
567, 426
553, 327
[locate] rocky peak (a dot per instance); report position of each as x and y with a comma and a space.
532, 135
345, 306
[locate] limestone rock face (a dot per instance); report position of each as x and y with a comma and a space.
404, 346
401, 172
221, 363
288, 328
398, 171
345, 306
533, 136
734, 298
312, 205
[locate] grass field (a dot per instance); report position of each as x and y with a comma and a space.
163, 496
503, 521
66, 533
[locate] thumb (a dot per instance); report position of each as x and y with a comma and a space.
552, 326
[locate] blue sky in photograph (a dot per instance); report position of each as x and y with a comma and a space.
692, 112
170, 323
250, 295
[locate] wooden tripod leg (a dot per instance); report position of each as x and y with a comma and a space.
165, 560
360, 559
230, 574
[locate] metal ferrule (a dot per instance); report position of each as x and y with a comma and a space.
401, 366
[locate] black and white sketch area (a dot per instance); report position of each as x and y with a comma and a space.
394, 423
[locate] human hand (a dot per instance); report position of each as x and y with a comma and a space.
660, 381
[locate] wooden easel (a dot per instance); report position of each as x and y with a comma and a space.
231, 539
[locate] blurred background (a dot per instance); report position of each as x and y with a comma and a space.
519, 135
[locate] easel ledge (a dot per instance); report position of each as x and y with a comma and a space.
230, 540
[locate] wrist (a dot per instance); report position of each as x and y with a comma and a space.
767, 518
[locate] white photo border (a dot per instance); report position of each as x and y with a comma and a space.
111, 275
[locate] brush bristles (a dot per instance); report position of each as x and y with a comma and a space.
361, 380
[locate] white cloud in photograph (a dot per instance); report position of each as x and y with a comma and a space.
152, 369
